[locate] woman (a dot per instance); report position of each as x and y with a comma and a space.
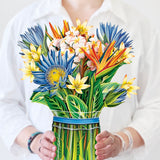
132, 125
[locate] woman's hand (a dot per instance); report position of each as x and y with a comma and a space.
108, 145
43, 146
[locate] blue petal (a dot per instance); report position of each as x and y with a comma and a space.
40, 81
50, 59
70, 60
65, 57
39, 75
53, 55
22, 45
46, 60
41, 67
42, 89
60, 61
44, 64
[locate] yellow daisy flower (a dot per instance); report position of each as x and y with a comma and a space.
78, 83
126, 54
128, 86
32, 53
29, 67
82, 28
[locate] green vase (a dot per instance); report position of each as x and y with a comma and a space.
75, 141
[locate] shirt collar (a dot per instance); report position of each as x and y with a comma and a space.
47, 7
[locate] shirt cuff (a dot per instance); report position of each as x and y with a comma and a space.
10, 137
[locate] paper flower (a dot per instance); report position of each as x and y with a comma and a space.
54, 72
126, 54
109, 33
104, 60
82, 28
57, 33
128, 86
32, 53
78, 83
34, 36
29, 67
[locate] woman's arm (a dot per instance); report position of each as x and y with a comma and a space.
110, 145
42, 145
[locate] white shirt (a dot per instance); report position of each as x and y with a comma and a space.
141, 112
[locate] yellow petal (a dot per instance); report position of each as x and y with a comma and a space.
78, 77
32, 48
125, 79
135, 87
36, 57
122, 46
71, 79
70, 86
39, 50
84, 79
84, 23
128, 50
25, 51
84, 86
78, 22
31, 78
131, 81
127, 61
79, 91
24, 77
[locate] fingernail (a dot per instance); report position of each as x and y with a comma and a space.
52, 154
54, 148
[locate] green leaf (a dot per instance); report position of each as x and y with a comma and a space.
105, 39
76, 106
38, 97
26, 43
107, 87
108, 73
57, 106
44, 45
111, 98
97, 99
90, 98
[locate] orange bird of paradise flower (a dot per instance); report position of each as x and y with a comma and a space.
57, 33
104, 60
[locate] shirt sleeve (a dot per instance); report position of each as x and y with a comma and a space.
146, 119
13, 116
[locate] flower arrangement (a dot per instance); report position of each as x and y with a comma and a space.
74, 70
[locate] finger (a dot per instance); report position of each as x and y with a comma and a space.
50, 136
106, 155
105, 150
47, 153
105, 142
104, 134
44, 157
48, 145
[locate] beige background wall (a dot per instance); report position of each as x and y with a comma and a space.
9, 8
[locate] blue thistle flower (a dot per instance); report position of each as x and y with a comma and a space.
34, 35
54, 72
108, 33
115, 97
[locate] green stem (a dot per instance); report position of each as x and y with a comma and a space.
90, 97
64, 90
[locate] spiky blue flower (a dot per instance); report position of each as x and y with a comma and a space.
108, 33
34, 35
115, 97
54, 72
122, 96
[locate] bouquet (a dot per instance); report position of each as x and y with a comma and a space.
73, 70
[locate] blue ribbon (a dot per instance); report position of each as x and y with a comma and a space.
76, 121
